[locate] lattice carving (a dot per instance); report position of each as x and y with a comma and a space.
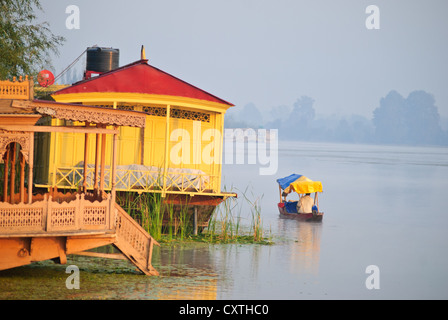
62, 217
155, 111
22, 138
190, 115
127, 232
94, 216
21, 217
64, 214
129, 108
134, 241
177, 113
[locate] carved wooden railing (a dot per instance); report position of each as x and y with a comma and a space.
134, 241
74, 214
15, 89
47, 215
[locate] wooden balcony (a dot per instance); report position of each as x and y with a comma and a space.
53, 226
75, 213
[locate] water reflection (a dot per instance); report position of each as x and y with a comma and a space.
305, 248
187, 272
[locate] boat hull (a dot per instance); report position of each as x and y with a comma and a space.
299, 216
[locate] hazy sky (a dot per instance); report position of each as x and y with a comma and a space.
272, 52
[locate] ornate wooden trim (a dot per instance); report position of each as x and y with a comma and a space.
91, 114
22, 138
21, 89
79, 112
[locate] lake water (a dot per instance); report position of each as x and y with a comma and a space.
384, 206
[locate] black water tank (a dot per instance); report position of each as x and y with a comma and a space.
102, 59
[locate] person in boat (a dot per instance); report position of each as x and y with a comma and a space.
305, 204
285, 193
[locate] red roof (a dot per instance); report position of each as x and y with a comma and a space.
140, 77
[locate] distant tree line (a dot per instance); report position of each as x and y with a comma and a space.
411, 120
414, 120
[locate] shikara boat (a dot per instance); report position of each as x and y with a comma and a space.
304, 187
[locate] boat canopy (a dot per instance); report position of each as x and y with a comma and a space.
299, 184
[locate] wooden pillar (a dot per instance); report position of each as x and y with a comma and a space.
221, 148
31, 89
56, 153
113, 180
13, 171
5, 175
22, 178
30, 168
114, 164
195, 220
86, 156
167, 143
142, 146
97, 155
103, 161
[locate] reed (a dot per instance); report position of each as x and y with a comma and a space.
152, 212
172, 227
235, 220
256, 223
227, 223
184, 227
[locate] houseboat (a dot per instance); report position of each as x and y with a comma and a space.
36, 226
177, 154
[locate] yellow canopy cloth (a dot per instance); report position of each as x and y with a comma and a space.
299, 184
306, 186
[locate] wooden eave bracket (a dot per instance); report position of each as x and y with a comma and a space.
22, 104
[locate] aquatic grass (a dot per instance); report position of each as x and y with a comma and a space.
222, 224
171, 225
168, 223
256, 223
152, 212
184, 227
226, 226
